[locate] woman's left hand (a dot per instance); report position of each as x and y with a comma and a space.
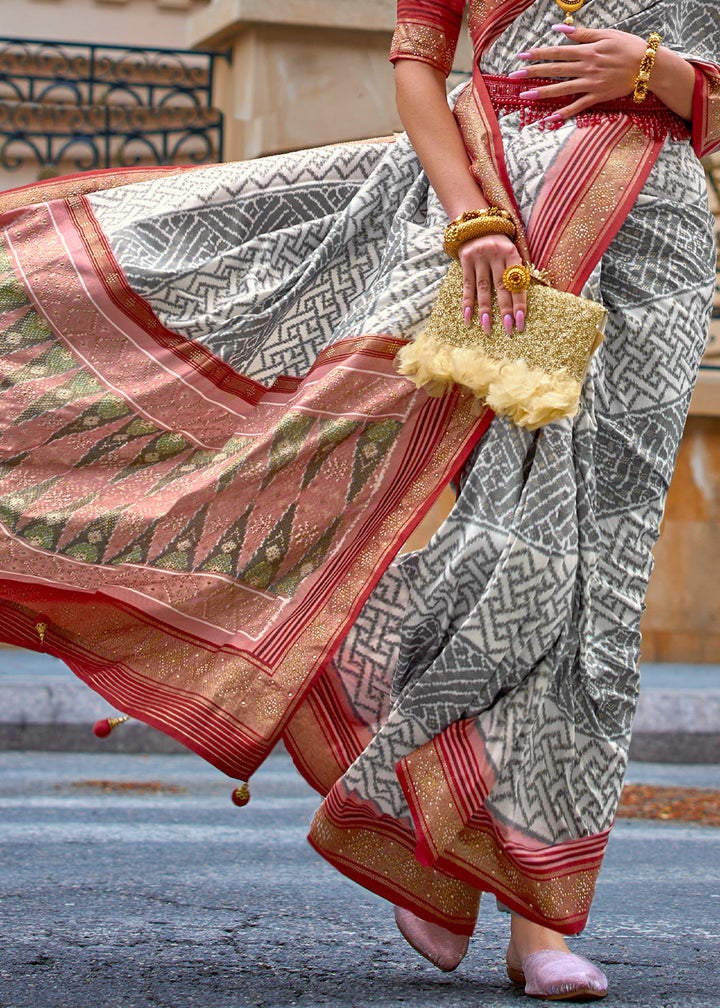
600, 64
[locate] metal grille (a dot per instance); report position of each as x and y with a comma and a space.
95, 106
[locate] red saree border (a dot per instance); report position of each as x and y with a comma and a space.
559, 898
196, 722
323, 737
490, 18
454, 764
586, 195
551, 884
377, 852
481, 132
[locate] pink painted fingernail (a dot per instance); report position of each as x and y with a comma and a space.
517, 74
519, 320
532, 94
555, 117
486, 322
524, 55
567, 28
508, 322
467, 315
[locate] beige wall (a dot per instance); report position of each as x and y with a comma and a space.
304, 72
121, 22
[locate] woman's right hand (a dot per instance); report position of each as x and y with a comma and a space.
483, 261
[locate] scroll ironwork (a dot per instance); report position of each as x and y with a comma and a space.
85, 107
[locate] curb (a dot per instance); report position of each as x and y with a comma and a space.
44, 707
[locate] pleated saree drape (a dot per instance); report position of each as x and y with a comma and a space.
208, 465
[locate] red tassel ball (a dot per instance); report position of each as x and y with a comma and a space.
103, 728
241, 795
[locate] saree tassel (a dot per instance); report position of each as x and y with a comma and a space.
103, 727
241, 795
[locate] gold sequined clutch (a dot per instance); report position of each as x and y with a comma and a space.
532, 377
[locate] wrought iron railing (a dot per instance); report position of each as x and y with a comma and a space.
94, 106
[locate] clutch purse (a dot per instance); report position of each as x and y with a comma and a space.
531, 377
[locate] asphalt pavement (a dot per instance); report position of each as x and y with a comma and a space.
132, 881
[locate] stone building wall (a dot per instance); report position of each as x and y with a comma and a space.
120, 22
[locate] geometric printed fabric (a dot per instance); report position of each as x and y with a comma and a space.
208, 466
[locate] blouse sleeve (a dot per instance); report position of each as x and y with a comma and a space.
428, 30
706, 109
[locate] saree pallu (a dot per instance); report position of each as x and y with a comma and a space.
208, 465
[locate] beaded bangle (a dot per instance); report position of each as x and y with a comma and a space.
473, 224
646, 65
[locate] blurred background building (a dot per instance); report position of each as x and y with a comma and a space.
88, 84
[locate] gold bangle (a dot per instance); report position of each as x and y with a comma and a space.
646, 64
473, 224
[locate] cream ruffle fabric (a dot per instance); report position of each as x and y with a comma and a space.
532, 377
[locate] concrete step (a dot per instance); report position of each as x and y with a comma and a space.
44, 706
678, 715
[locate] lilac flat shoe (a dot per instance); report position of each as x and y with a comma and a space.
441, 947
559, 976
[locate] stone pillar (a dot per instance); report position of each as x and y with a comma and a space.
682, 620
303, 72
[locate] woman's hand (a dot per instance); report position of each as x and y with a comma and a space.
600, 65
484, 260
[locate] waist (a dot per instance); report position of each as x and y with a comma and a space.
651, 115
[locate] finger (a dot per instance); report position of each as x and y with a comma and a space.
468, 301
560, 90
565, 53
483, 292
586, 102
505, 303
517, 299
519, 307
547, 70
580, 35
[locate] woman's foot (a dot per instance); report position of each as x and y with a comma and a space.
539, 960
441, 947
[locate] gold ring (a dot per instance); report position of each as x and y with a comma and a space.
516, 279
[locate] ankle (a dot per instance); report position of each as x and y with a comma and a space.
527, 937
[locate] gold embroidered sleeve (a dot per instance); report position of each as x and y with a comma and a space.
421, 42
706, 109
428, 30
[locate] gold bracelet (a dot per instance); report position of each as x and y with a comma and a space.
646, 65
473, 224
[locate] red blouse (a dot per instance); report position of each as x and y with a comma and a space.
428, 30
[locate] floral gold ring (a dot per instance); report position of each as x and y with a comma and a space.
516, 279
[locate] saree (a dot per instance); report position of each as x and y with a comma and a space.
209, 466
